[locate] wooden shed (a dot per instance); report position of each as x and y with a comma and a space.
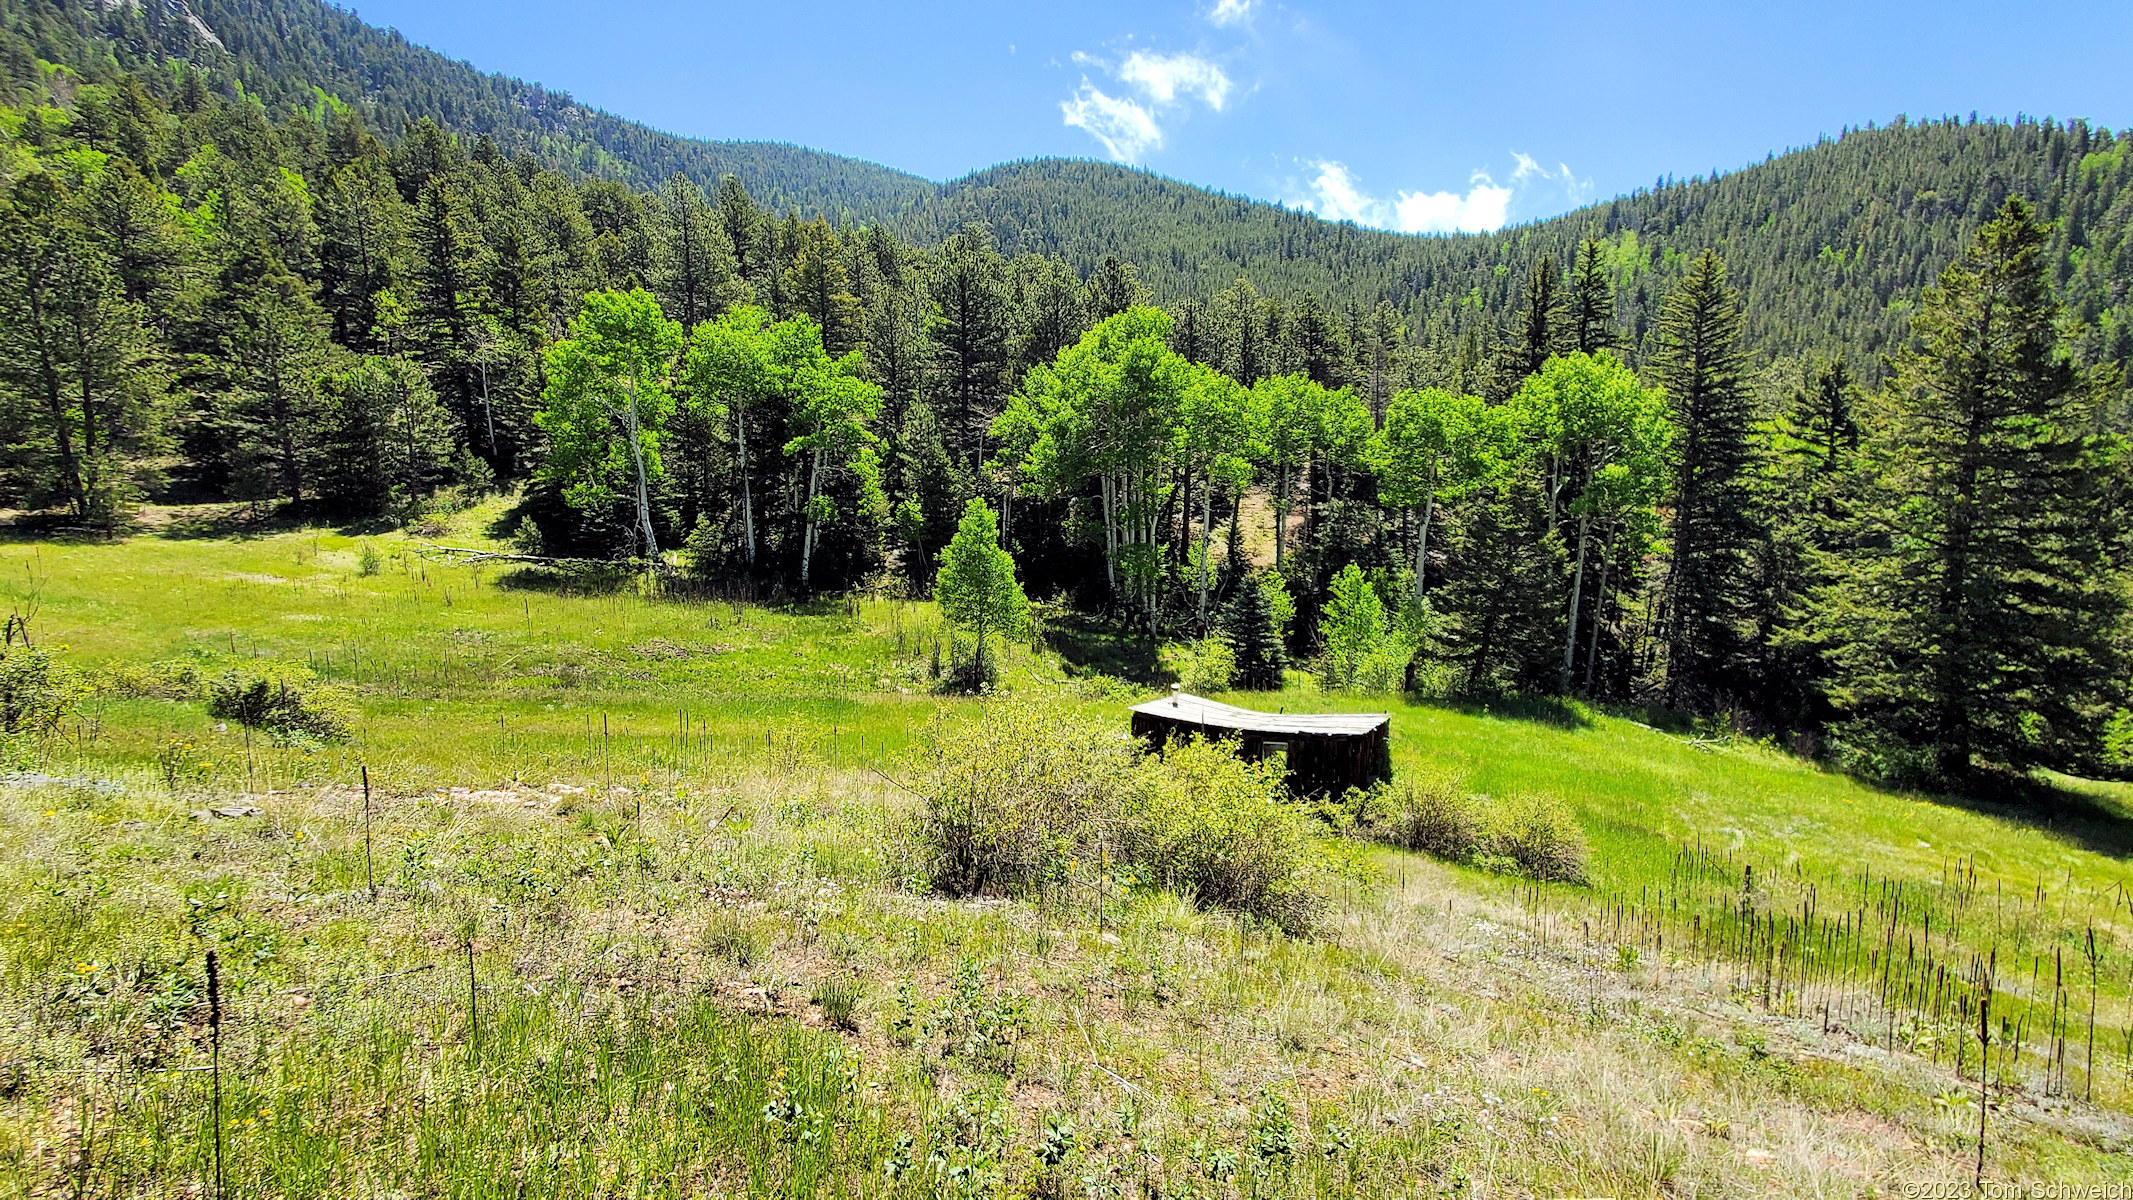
1327, 753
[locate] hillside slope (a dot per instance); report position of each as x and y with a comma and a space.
1830, 244
298, 52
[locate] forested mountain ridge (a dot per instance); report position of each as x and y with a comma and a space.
311, 54
1830, 244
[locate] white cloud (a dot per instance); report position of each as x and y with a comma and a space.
1336, 195
1126, 129
1231, 12
1163, 77
1339, 199
1572, 189
1168, 83
1482, 209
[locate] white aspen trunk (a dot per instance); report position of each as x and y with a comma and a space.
644, 495
1184, 512
1281, 512
1151, 524
1599, 612
1577, 584
1207, 529
1110, 536
740, 443
1429, 510
488, 409
807, 540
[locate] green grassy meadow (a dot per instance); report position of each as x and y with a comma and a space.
641, 927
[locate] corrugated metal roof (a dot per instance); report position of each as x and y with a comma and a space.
1194, 710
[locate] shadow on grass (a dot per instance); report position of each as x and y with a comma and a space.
578, 577
1556, 712
235, 520
1094, 645
2061, 807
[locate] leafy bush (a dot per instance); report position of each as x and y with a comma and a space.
1016, 794
1435, 814
1223, 831
36, 694
1539, 835
285, 699
1013, 794
1208, 665
168, 679
969, 671
1530, 835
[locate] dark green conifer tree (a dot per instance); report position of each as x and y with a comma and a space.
362, 243
1542, 322
970, 330
450, 271
1706, 603
1248, 627
1050, 309
1313, 343
929, 498
818, 287
275, 354
388, 442
695, 274
1801, 489
1502, 590
1114, 287
745, 233
424, 152
1977, 614
1591, 310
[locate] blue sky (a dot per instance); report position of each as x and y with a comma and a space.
1422, 117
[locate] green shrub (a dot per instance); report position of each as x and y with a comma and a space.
969, 672
286, 699
36, 694
1221, 830
1208, 665
527, 539
1539, 836
168, 679
1434, 813
1013, 794
368, 559
1531, 835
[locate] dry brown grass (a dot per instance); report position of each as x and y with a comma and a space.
1432, 1033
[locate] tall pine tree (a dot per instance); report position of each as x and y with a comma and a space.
1976, 617
1590, 312
1706, 599
970, 330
